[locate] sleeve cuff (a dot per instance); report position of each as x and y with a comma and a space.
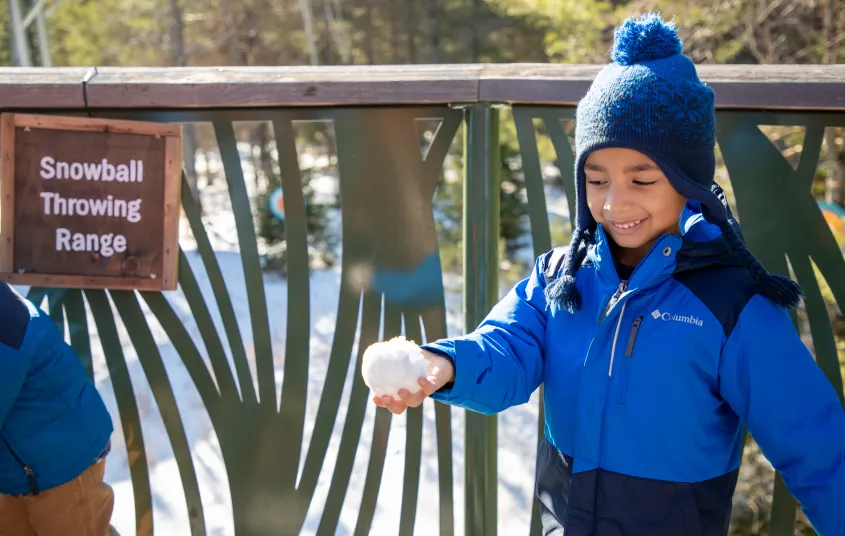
467, 371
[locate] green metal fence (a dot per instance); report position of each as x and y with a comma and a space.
387, 221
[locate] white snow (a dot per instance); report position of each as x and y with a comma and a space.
517, 426
390, 366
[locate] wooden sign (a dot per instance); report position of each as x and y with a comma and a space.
89, 202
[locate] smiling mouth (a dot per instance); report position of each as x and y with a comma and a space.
627, 225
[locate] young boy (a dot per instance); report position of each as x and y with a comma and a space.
657, 334
54, 431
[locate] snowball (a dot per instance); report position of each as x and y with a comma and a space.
393, 365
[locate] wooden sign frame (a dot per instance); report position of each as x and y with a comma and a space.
172, 134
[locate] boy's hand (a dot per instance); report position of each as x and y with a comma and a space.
440, 372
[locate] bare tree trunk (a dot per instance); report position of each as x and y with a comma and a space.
433, 31
252, 45
334, 21
264, 176
394, 30
308, 24
833, 191
177, 35
475, 46
833, 184
179, 58
20, 39
411, 22
368, 36
43, 41
189, 155
326, 40
767, 33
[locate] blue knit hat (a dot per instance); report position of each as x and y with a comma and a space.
649, 99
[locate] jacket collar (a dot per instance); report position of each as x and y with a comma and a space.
700, 245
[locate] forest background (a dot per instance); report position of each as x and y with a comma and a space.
359, 32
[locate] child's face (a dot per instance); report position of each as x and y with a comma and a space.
631, 198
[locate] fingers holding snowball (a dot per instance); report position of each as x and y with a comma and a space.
397, 407
428, 385
413, 400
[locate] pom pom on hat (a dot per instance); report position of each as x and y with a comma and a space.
646, 38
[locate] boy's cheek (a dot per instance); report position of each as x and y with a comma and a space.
595, 213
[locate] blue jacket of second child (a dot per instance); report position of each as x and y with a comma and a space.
53, 423
648, 386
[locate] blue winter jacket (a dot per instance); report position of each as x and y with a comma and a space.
647, 389
53, 423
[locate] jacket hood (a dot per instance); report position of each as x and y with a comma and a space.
703, 245
700, 245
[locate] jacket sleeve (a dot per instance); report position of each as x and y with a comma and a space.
14, 364
13, 369
500, 363
771, 381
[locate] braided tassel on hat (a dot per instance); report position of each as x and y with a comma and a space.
776, 288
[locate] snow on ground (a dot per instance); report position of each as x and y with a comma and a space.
517, 426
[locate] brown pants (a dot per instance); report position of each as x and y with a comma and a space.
82, 507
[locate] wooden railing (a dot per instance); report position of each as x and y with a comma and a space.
373, 110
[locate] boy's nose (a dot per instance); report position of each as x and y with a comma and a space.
614, 200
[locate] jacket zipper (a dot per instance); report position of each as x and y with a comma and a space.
615, 338
623, 286
30, 474
632, 337
622, 396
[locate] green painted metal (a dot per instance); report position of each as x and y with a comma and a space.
184, 345
780, 221
127, 405
413, 449
57, 312
261, 441
297, 341
780, 217
481, 261
381, 433
537, 213
541, 239
354, 418
78, 329
133, 318
386, 190
251, 264
214, 346
434, 323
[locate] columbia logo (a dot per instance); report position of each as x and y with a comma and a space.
656, 314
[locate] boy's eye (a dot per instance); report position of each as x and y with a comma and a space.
596, 182
644, 183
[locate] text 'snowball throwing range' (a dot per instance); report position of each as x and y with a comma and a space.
89, 202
